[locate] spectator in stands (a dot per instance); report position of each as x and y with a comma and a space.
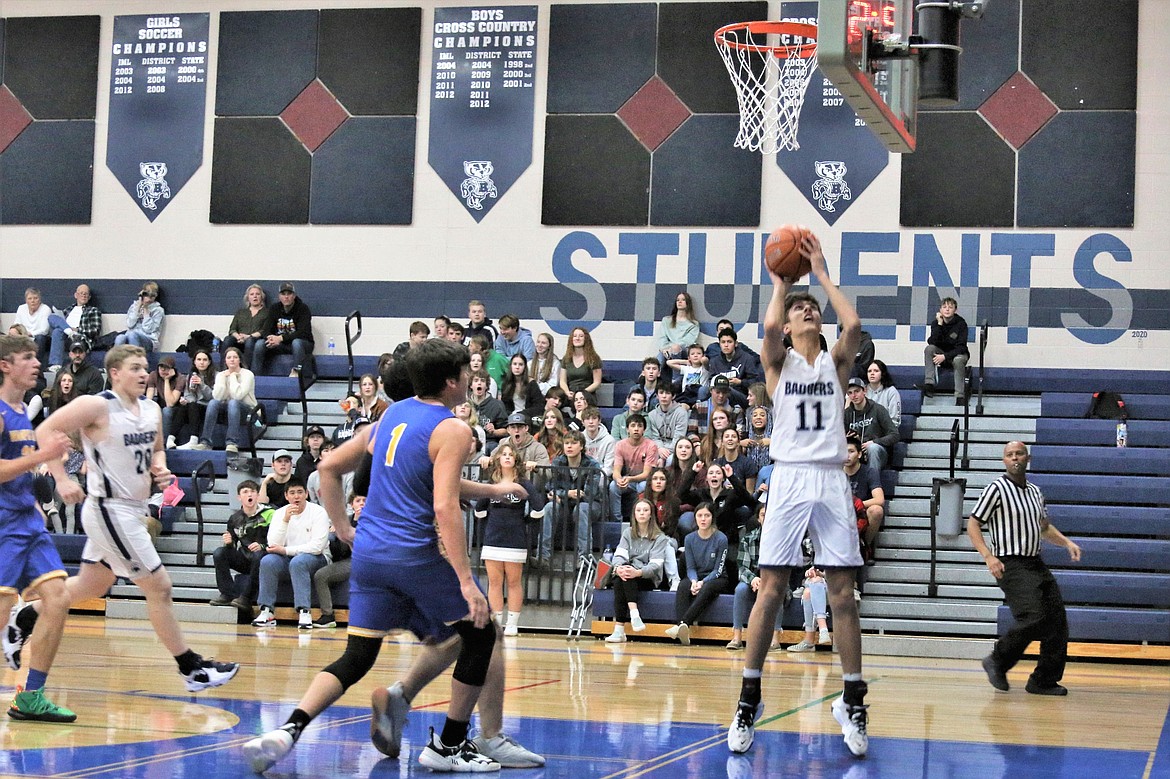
188, 416
637, 567
466, 412
685, 469
756, 445
678, 330
552, 432
87, 378
479, 323
581, 365
555, 397
311, 455
289, 331
80, 323
599, 443
744, 467
56, 396
476, 365
274, 484
730, 503
417, 334
664, 498
740, 367
1015, 512
666, 423
34, 317
649, 380
582, 399
385, 360
757, 395
249, 324
881, 390
705, 552
520, 392
946, 347
721, 399
244, 543
144, 319
455, 332
530, 452
338, 569
441, 324
872, 424
693, 377
234, 393
165, 386
370, 405
711, 445
634, 458
505, 536
577, 491
490, 411
865, 354
867, 487
494, 363
546, 367
514, 339
635, 404
746, 589
298, 546
313, 483
814, 598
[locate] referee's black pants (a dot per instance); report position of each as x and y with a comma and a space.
1034, 597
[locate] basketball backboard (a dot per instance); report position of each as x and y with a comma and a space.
884, 93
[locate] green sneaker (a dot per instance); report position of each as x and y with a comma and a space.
33, 705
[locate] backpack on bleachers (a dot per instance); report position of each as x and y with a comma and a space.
1106, 405
197, 340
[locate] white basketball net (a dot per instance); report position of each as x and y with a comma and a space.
772, 92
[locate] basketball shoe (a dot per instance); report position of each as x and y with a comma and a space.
263, 752
742, 732
464, 758
853, 720
388, 718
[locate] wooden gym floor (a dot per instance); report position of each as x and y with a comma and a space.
642, 709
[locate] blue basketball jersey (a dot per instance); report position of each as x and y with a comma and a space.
17, 503
399, 515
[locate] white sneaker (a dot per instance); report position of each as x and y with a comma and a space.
853, 721
388, 719
681, 631
170, 442
674, 585
265, 619
803, 646
636, 622
305, 619
263, 752
511, 630
618, 636
504, 750
464, 758
192, 444
13, 637
823, 637
210, 674
742, 732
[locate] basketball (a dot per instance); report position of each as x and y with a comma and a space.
782, 252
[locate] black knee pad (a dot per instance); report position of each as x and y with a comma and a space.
357, 660
476, 655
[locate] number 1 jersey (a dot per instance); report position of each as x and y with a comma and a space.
808, 425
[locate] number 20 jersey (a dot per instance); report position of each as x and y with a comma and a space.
808, 425
119, 467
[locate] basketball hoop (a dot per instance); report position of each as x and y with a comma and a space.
770, 64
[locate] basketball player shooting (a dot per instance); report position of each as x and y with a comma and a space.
810, 491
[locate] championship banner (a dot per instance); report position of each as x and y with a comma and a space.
157, 94
483, 74
838, 156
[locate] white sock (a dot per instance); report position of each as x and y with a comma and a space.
513, 618
499, 617
619, 629
634, 613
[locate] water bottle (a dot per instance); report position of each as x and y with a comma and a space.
215, 344
332, 346
1122, 434
607, 555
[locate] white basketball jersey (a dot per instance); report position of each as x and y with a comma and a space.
119, 467
808, 425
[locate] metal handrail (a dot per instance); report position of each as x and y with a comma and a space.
349, 342
979, 384
197, 485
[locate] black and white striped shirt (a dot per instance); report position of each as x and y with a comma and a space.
1015, 516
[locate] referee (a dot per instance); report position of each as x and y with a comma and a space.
1014, 511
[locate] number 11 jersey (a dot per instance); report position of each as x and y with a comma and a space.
808, 425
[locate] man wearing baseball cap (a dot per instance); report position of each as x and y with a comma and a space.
307, 462
87, 379
272, 488
872, 424
289, 331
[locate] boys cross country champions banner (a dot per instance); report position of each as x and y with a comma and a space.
158, 88
483, 74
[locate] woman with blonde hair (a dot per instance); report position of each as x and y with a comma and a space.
505, 535
546, 366
248, 324
638, 565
